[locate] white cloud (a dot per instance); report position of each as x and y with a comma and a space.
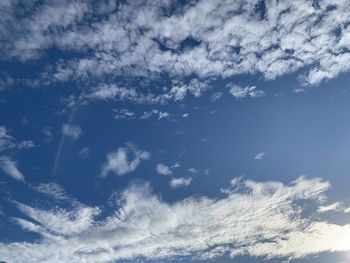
259, 219
347, 210
180, 181
243, 92
53, 190
84, 152
193, 170
163, 169
8, 142
331, 207
190, 41
9, 167
123, 114
259, 156
71, 131
124, 160
216, 96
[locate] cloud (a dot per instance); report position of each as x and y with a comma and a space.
186, 42
123, 114
71, 131
259, 219
331, 207
124, 160
259, 156
181, 181
193, 170
84, 152
163, 169
53, 190
7, 142
9, 167
243, 92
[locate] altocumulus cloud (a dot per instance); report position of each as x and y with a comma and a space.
146, 38
262, 219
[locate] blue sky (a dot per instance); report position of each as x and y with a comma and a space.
167, 131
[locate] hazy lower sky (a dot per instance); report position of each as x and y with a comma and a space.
174, 131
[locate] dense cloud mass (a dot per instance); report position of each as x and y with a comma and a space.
201, 40
253, 218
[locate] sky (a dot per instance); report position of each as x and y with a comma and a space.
174, 131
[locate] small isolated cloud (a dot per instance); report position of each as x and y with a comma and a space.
347, 210
243, 92
71, 131
9, 167
124, 160
181, 181
331, 207
193, 170
123, 114
259, 156
163, 169
84, 152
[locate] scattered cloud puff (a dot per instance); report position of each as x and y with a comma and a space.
84, 152
163, 169
10, 168
259, 156
259, 219
243, 92
71, 131
124, 160
180, 181
193, 170
149, 40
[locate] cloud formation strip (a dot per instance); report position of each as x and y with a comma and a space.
201, 40
262, 219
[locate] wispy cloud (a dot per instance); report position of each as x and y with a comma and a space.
53, 190
259, 156
10, 168
124, 160
260, 219
71, 131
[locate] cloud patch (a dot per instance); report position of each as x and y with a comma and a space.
180, 181
71, 131
10, 168
124, 160
163, 169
